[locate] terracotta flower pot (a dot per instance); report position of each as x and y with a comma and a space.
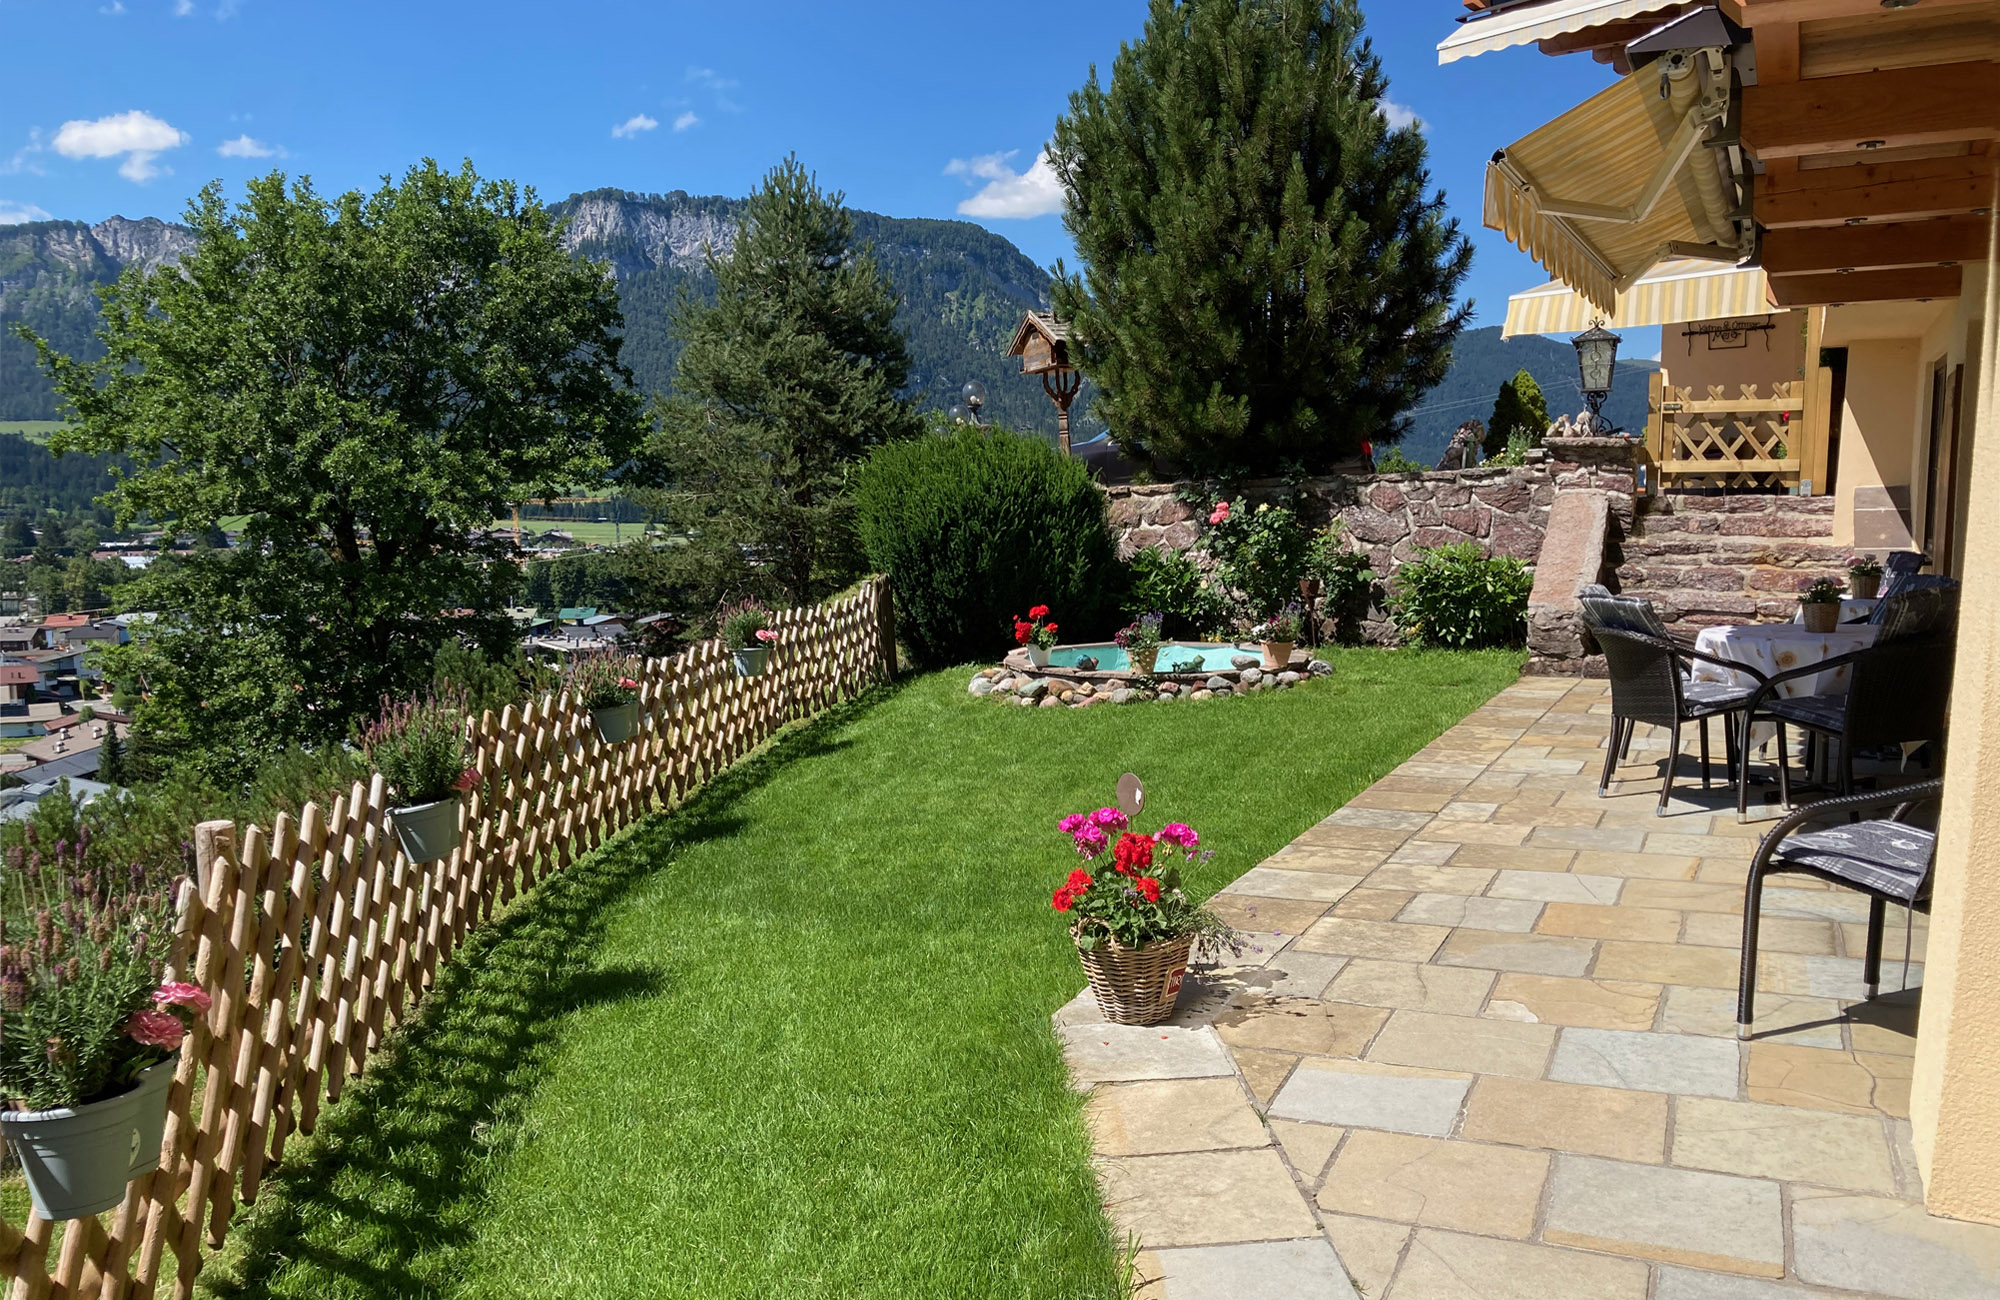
1136, 986
1822, 616
78, 1159
617, 724
1143, 660
1864, 586
1038, 656
751, 661
1277, 654
427, 831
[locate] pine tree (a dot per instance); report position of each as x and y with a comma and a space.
1519, 409
1266, 284
111, 758
790, 378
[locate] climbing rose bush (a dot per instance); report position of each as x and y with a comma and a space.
1134, 897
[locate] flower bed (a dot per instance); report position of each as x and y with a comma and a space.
1016, 681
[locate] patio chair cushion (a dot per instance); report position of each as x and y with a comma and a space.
1820, 712
1889, 858
1714, 697
1620, 613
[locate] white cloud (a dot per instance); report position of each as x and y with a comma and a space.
686, 120
182, 8
1007, 193
244, 146
13, 214
633, 125
114, 8
23, 159
1400, 115
138, 137
717, 85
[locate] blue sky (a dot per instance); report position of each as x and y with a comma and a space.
914, 109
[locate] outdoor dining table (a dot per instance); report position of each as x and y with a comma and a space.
1773, 648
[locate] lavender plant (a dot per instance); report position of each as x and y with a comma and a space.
418, 745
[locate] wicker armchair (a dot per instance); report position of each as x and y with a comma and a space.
1887, 859
1650, 684
1898, 689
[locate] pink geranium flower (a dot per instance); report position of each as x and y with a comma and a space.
1110, 819
1179, 833
1073, 823
161, 1029
766, 635
179, 993
1091, 841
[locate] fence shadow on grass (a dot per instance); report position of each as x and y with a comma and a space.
389, 1189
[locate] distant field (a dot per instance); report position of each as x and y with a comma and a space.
586, 531
32, 430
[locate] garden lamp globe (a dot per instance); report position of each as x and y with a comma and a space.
957, 414
1596, 360
974, 393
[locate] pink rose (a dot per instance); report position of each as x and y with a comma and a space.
179, 993
1221, 513
161, 1029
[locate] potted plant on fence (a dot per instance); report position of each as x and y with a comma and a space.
1279, 634
1864, 576
604, 683
88, 1033
1133, 925
1819, 604
418, 745
1141, 643
1037, 634
746, 630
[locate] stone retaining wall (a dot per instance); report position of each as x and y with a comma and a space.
1393, 516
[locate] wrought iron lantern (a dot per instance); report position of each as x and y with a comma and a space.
1596, 363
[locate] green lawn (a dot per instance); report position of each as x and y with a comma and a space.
32, 430
793, 1041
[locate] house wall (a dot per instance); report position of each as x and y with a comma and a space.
1954, 1099
1765, 358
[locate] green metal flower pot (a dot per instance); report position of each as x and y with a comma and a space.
427, 831
752, 661
78, 1159
617, 724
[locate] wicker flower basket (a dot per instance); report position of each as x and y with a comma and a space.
1820, 616
1136, 986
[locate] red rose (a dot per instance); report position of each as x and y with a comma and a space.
1079, 880
1039, 611
1063, 900
1149, 889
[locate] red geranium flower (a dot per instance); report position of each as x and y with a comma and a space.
1022, 631
1149, 889
1079, 880
1039, 611
1063, 900
1133, 854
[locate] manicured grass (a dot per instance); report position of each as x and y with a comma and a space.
794, 1040
32, 430
589, 532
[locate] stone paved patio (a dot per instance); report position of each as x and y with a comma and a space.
1483, 1049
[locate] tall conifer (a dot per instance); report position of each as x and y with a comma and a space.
1267, 284
787, 380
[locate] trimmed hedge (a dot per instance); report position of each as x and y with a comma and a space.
973, 528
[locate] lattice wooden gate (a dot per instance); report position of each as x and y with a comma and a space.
1747, 441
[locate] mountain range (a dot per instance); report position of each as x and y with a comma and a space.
964, 290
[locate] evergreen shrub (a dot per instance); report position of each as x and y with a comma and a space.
974, 526
1459, 598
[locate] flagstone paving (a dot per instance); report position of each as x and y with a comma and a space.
1483, 1048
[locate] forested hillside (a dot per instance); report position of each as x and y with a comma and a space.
1481, 361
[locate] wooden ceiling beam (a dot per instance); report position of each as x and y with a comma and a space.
1898, 191
1903, 106
1883, 247
1757, 13
1866, 286
1777, 46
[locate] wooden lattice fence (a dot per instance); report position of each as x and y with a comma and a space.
1748, 440
316, 934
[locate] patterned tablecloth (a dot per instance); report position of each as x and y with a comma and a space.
1773, 648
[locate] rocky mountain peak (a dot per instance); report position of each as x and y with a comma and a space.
637, 233
149, 242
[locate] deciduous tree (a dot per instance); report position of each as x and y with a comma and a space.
367, 382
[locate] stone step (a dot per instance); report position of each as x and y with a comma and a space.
1759, 524
1787, 552
1687, 503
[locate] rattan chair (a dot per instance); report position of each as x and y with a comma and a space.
1889, 860
1898, 689
1650, 683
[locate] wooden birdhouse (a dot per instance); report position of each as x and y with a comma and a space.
1042, 343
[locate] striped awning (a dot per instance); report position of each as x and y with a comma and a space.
1535, 22
1671, 293
1617, 185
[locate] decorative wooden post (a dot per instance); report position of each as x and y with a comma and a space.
1042, 343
